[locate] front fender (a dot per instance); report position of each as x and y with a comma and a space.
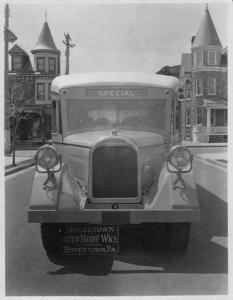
66, 194
175, 191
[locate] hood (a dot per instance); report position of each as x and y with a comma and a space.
140, 138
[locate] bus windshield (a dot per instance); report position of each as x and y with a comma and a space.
125, 114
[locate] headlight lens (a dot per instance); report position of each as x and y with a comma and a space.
46, 157
180, 157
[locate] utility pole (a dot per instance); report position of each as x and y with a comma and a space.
9, 36
7, 125
68, 44
6, 89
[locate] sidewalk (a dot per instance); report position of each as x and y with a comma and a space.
215, 159
222, 156
23, 159
215, 153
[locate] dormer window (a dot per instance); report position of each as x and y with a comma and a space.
40, 64
16, 63
52, 65
212, 59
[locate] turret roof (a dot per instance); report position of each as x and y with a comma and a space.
45, 41
206, 34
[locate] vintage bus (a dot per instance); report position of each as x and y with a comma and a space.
115, 160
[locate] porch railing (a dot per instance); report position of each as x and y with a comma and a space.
199, 129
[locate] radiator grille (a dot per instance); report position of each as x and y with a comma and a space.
114, 172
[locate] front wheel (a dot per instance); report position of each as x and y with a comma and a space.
51, 235
53, 240
177, 236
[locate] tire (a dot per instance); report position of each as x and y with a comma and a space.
177, 236
51, 235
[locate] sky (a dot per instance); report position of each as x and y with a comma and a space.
117, 36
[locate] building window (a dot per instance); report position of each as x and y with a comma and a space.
177, 115
198, 59
49, 90
40, 91
212, 117
218, 117
52, 65
225, 117
40, 64
199, 115
188, 94
211, 86
199, 87
188, 116
212, 58
16, 63
188, 87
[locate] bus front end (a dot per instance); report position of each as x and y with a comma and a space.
114, 161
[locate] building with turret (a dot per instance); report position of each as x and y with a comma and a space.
203, 74
29, 87
46, 64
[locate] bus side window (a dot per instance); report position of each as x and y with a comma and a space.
173, 119
54, 117
59, 118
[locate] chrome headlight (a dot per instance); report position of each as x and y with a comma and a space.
47, 157
180, 158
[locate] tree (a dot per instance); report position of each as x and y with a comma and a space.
15, 111
15, 115
170, 71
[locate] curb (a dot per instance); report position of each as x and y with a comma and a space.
19, 168
205, 145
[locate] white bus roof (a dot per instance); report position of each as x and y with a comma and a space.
117, 78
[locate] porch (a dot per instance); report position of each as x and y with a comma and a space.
213, 127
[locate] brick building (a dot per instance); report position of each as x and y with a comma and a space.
203, 74
29, 87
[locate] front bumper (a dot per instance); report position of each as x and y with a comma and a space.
116, 217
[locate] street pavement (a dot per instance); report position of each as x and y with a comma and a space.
140, 268
210, 170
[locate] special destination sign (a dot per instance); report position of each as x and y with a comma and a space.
116, 92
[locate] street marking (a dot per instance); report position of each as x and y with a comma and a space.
122, 266
220, 240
